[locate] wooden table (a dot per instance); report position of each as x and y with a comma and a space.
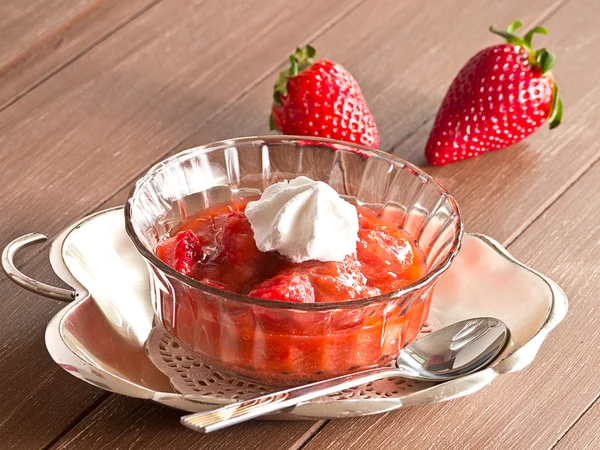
92, 92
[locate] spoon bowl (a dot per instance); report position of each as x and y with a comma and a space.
451, 352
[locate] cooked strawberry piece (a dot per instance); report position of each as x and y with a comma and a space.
386, 259
340, 280
236, 241
231, 261
315, 281
235, 261
287, 287
181, 251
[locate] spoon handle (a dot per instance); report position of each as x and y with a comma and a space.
225, 416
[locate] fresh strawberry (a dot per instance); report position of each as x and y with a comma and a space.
181, 251
502, 95
321, 99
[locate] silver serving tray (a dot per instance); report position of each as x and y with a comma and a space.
99, 336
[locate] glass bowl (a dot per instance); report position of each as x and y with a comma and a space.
284, 343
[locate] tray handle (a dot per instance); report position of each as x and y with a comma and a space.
19, 278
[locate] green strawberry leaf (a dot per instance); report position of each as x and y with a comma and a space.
556, 110
276, 98
515, 39
293, 70
545, 60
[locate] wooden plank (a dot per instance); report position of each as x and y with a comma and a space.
82, 134
130, 97
585, 435
22, 23
134, 424
40, 400
533, 408
39, 37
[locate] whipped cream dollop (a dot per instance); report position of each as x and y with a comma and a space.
304, 220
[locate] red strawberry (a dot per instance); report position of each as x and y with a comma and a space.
501, 96
321, 99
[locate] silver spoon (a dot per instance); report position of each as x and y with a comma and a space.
449, 353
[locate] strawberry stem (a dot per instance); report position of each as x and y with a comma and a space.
509, 33
527, 38
543, 59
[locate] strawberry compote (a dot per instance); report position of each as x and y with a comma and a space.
283, 345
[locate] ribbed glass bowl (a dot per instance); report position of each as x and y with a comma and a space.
286, 343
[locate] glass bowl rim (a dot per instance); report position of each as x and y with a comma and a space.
423, 281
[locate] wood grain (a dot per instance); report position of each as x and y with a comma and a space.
40, 37
82, 134
22, 23
402, 91
134, 424
72, 142
108, 111
585, 435
535, 407
39, 399
247, 116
